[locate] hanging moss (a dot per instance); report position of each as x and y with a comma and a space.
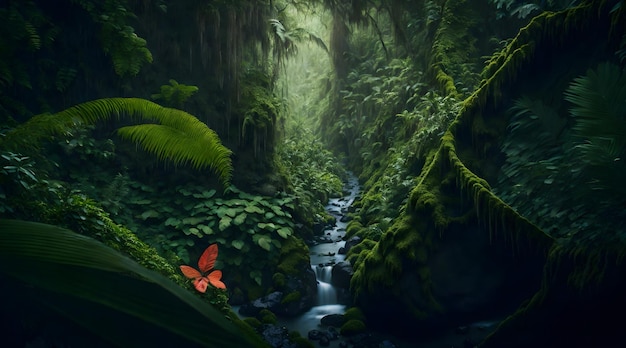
406, 246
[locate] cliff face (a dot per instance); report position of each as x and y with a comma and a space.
512, 209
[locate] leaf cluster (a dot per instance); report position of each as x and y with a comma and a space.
249, 228
554, 162
128, 51
175, 94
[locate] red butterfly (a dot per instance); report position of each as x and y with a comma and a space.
205, 263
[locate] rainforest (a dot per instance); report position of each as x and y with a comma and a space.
313, 173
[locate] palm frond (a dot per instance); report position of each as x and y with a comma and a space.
599, 100
203, 146
95, 277
599, 108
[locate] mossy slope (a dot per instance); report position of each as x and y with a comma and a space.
453, 189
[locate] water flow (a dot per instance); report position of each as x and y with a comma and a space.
323, 256
326, 293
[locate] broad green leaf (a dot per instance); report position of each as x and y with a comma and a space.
149, 214
253, 209
172, 221
225, 223
193, 220
237, 244
240, 219
267, 226
232, 212
74, 274
205, 194
278, 211
276, 243
191, 230
205, 229
264, 241
284, 232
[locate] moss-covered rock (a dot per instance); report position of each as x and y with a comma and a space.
352, 327
454, 213
291, 297
266, 316
354, 313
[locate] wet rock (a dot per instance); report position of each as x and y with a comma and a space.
276, 336
354, 240
314, 335
341, 274
271, 302
324, 239
304, 283
332, 333
333, 320
324, 341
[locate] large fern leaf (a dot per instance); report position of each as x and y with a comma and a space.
107, 293
599, 109
599, 100
171, 133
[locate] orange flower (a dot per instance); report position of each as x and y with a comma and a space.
205, 264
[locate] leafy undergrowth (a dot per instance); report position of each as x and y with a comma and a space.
564, 170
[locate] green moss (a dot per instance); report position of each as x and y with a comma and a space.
294, 256
266, 316
352, 327
279, 280
354, 313
299, 341
353, 228
291, 297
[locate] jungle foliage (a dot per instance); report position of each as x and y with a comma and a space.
554, 162
432, 103
529, 182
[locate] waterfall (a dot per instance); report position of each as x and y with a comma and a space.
326, 293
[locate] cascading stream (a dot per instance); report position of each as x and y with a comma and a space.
323, 256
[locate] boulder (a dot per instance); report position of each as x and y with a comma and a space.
333, 320
341, 274
271, 302
354, 240
297, 296
277, 336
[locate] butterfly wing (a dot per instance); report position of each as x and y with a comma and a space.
207, 259
214, 278
201, 284
190, 272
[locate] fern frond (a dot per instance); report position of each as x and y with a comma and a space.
182, 138
599, 100
168, 143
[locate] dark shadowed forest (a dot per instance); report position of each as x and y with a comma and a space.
313, 173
